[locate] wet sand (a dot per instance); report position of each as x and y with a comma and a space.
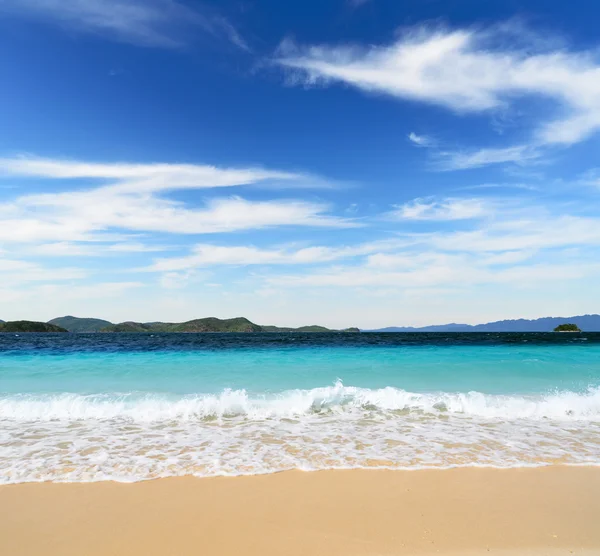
543, 511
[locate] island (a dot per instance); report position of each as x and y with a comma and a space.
567, 327
23, 326
80, 325
211, 324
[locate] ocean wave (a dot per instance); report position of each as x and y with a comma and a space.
331, 400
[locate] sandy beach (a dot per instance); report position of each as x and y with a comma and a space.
554, 510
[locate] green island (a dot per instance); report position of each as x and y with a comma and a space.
29, 326
567, 328
209, 324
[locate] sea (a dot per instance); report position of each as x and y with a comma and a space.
133, 407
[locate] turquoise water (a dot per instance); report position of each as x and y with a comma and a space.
488, 369
83, 408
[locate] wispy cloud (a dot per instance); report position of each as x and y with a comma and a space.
445, 209
218, 25
505, 185
454, 272
16, 272
81, 216
505, 243
525, 233
459, 160
154, 23
420, 140
591, 177
205, 255
467, 71
85, 249
465, 159
130, 202
519, 245
132, 178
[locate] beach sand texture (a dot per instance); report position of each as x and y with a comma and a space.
552, 510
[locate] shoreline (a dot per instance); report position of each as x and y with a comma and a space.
365, 469
542, 510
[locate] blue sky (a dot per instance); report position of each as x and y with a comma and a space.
348, 163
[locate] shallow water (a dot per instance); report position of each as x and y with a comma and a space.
133, 407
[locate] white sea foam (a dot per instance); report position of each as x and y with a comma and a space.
136, 436
145, 407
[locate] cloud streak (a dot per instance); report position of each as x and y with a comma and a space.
82, 216
140, 178
466, 71
205, 255
149, 23
459, 160
455, 273
420, 140
518, 246
445, 209
130, 202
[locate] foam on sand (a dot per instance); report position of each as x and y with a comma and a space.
136, 436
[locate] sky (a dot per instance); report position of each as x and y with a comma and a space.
360, 163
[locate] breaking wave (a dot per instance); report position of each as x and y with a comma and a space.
336, 399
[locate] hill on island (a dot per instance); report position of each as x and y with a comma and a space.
210, 324
76, 324
587, 323
311, 328
23, 326
567, 327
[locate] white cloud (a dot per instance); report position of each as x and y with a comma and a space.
155, 23
446, 209
546, 232
176, 280
48, 300
455, 273
219, 24
591, 177
72, 249
519, 245
520, 154
16, 272
506, 185
134, 247
61, 249
507, 257
130, 202
204, 255
81, 216
140, 178
467, 71
420, 140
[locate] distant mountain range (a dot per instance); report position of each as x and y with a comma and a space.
587, 323
209, 324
